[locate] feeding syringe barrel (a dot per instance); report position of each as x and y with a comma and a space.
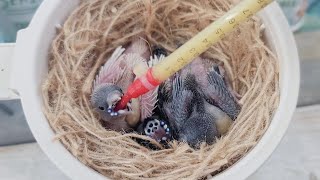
193, 48
206, 38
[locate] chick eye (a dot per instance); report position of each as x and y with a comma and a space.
101, 108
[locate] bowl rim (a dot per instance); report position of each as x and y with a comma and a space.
286, 50
27, 47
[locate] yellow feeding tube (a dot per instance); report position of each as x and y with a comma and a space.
191, 49
206, 38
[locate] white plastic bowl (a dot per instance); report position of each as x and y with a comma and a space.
30, 68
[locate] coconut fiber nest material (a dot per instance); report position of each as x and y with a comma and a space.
89, 36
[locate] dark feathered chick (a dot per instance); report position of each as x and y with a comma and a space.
198, 103
185, 110
213, 86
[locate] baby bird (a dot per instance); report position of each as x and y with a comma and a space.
119, 71
186, 113
198, 103
213, 84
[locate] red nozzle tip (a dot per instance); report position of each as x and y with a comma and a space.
139, 87
123, 102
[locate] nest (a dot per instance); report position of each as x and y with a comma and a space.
90, 35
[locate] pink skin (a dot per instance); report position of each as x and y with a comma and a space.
118, 71
158, 134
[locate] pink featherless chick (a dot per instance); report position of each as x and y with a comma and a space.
119, 71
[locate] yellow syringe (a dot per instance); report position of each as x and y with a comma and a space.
193, 48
